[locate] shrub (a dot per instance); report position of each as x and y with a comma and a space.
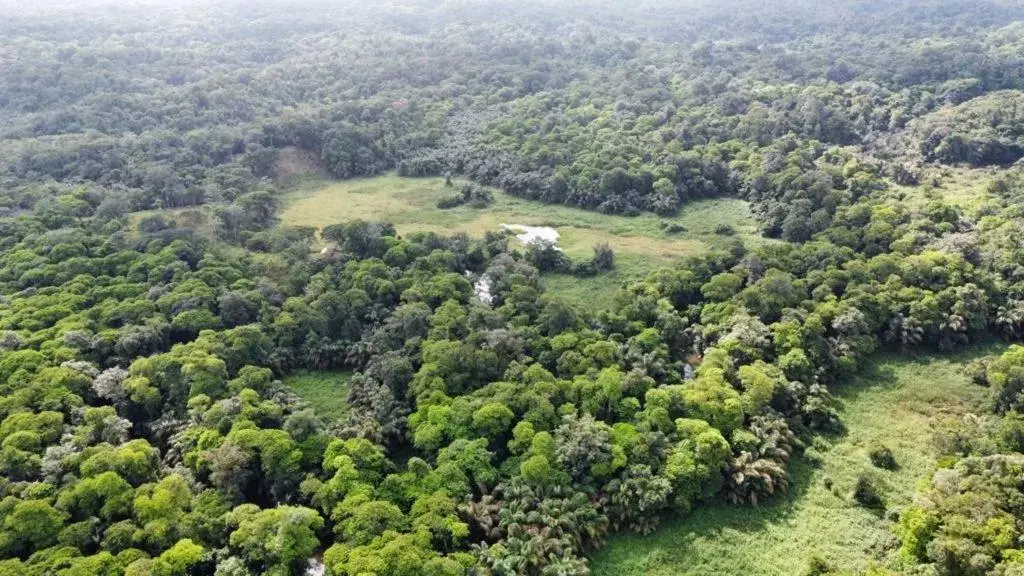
584, 269
881, 456
671, 227
480, 197
866, 494
915, 530
817, 566
725, 230
604, 256
450, 201
977, 370
1009, 435
471, 194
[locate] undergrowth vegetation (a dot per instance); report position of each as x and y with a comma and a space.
324, 391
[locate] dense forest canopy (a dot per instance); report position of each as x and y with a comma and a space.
152, 304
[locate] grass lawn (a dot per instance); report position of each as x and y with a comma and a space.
898, 401
639, 243
325, 391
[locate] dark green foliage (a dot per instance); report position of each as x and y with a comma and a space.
982, 131
816, 566
471, 194
881, 457
866, 494
725, 230
671, 227
604, 256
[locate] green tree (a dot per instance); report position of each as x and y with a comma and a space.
276, 540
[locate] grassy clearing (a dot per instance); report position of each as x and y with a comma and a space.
899, 402
960, 186
325, 391
597, 292
410, 203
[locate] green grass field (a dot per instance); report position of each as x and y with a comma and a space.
325, 392
899, 401
639, 243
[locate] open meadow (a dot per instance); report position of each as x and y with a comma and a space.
639, 242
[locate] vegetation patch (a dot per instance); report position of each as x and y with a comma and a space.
324, 391
882, 457
899, 402
747, 391
640, 243
411, 205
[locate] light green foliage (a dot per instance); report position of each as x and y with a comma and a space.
522, 436
721, 287
392, 554
492, 420
276, 539
695, 463
471, 457
106, 495
711, 398
915, 530
159, 508
1006, 375
360, 519
135, 461
30, 526
437, 516
760, 381
176, 560
363, 455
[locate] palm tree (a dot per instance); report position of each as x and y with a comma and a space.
1010, 319
750, 479
634, 499
777, 441
904, 330
755, 475
952, 331
483, 515
536, 526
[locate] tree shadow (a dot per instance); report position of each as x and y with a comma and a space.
878, 373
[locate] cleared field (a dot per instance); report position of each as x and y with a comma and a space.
411, 204
899, 402
325, 392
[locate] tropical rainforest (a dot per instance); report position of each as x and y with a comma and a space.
153, 308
